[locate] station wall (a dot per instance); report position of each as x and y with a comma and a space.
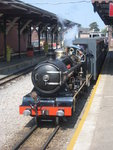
12, 41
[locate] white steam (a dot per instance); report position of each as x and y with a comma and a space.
70, 36
60, 19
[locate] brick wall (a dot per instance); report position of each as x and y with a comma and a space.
34, 35
12, 41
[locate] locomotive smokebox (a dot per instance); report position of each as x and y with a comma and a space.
47, 76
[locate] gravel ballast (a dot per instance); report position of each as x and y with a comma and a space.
10, 121
13, 126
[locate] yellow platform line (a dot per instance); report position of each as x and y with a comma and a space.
77, 132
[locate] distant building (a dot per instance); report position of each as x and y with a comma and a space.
96, 34
83, 32
87, 33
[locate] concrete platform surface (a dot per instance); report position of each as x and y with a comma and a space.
19, 64
97, 130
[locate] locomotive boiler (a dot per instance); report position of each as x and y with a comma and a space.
54, 75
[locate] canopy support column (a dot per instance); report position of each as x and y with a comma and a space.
5, 39
19, 48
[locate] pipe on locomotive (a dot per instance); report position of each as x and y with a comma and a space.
72, 69
52, 55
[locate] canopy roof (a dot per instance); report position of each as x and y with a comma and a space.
16, 8
102, 8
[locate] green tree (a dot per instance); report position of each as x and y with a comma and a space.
104, 30
94, 26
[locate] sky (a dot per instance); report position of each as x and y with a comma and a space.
79, 11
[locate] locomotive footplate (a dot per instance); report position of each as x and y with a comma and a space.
60, 106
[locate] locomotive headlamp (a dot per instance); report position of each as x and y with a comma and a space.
60, 113
46, 78
27, 112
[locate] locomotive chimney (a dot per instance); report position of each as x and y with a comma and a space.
51, 54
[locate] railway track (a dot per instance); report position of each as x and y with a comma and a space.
19, 73
50, 138
32, 133
16, 75
20, 146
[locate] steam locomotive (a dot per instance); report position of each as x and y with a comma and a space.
56, 82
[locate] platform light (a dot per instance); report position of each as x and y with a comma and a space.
111, 10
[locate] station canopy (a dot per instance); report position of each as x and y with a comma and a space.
105, 10
25, 12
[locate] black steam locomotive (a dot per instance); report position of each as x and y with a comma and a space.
56, 81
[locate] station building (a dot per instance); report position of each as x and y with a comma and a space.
20, 23
105, 10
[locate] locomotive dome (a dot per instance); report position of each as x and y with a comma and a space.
60, 53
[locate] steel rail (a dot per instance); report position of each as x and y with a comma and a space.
50, 138
25, 138
15, 75
31, 132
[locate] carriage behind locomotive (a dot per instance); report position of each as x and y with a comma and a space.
57, 79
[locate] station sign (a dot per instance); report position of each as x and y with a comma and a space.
110, 9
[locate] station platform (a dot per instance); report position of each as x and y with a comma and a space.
95, 129
18, 64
